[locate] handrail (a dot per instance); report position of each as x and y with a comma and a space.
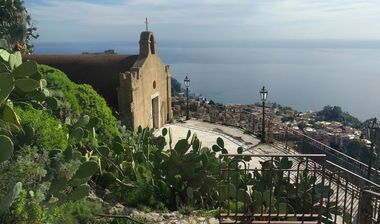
321, 143
273, 155
373, 193
350, 161
369, 183
279, 183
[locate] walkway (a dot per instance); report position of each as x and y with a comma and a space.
232, 137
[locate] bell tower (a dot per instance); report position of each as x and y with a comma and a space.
147, 44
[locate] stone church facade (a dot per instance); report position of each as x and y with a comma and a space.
137, 86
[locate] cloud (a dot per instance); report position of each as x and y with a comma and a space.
132, 12
225, 19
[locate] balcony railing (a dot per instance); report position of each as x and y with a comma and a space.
302, 188
287, 138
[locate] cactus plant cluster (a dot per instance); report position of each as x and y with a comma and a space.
74, 188
271, 191
184, 174
20, 83
17, 76
192, 171
63, 189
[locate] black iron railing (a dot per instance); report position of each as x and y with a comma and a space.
291, 189
369, 207
288, 138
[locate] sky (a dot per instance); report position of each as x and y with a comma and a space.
205, 20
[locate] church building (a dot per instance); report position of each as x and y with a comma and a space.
137, 86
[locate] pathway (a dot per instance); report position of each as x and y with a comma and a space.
232, 137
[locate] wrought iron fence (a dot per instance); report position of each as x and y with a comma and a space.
291, 189
369, 207
288, 138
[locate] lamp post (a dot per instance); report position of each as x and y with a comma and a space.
187, 84
263, 95
373, 126
253, 123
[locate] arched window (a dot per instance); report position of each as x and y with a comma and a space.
151, 42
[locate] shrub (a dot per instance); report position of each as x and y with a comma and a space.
26, 210
27, 167
50, 134
95, 106
75, 213
142, 194
83, 100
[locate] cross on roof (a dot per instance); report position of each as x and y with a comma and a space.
146, 24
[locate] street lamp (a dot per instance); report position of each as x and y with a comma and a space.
264, 95
187, 84
373, 126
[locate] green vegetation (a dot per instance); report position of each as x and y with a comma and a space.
184, 175
176, 86
38, 152
59, 136
49, 132
357, 149
335, 113
77, 100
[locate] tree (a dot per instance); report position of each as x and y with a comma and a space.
357, 149
176, 86
16, 28
335, 113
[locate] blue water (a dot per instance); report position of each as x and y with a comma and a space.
304, 74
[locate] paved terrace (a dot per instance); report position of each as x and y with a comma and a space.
233, 138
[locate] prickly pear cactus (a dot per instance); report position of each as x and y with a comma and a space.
86, 170
22, 77
6, 86
6, 148
75, 188
79, 192
9, 198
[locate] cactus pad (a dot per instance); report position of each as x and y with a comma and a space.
6, 148
79, 192
86, 170
77, 134
6, 86
182, 146
27, 85
9, 198
25, 69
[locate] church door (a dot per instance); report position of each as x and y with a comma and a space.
155, 113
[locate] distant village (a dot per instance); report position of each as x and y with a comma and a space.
335, 134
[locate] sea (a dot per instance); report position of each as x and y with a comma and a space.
303, 74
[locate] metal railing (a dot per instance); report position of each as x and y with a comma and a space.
286, 138
369, 207
292, 189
